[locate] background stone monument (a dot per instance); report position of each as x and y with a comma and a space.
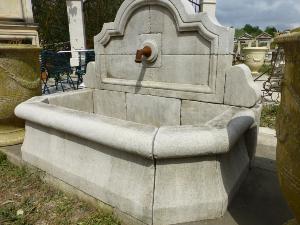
77, 31
19, 66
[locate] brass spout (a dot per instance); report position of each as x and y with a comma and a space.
146, 52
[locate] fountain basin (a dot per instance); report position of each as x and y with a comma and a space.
136, 167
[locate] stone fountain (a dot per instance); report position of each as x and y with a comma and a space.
19, 66
166, 131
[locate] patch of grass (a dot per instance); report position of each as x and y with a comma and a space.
26, 200
98, 219
3, 158
268, 116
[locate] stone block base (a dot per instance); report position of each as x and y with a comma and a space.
164, 191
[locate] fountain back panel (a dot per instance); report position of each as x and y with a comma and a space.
165, 141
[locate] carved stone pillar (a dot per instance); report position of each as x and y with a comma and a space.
77, 31
19, 66
288, 123
209, 6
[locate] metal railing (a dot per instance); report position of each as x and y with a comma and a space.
271, 79
196, 5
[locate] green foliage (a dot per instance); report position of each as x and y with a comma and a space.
265, 68
273, 45
271, 30
239, 32
296, 30
253, 30
99, 218
3, 158
96, 13
53, 22
268, 116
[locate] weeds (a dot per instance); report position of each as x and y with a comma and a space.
268, 116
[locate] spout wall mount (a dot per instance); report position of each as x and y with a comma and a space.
141, 53
148, 52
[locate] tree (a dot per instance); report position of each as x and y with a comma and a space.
96, 13
52, 19
271, 30
253, 30
239, 32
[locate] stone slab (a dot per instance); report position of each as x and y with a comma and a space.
130, 190
110, 103
174, 42
90, 79
209, 97
189, 84
194, 189
240, 89
198, 195
175, 69
128, 44
78, 100
153, 110
196, 113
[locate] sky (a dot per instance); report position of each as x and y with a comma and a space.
283, 14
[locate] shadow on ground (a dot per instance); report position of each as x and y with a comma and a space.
259, 200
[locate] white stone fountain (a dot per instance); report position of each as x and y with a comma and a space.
165, 141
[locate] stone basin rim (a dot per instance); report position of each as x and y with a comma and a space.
147, 141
